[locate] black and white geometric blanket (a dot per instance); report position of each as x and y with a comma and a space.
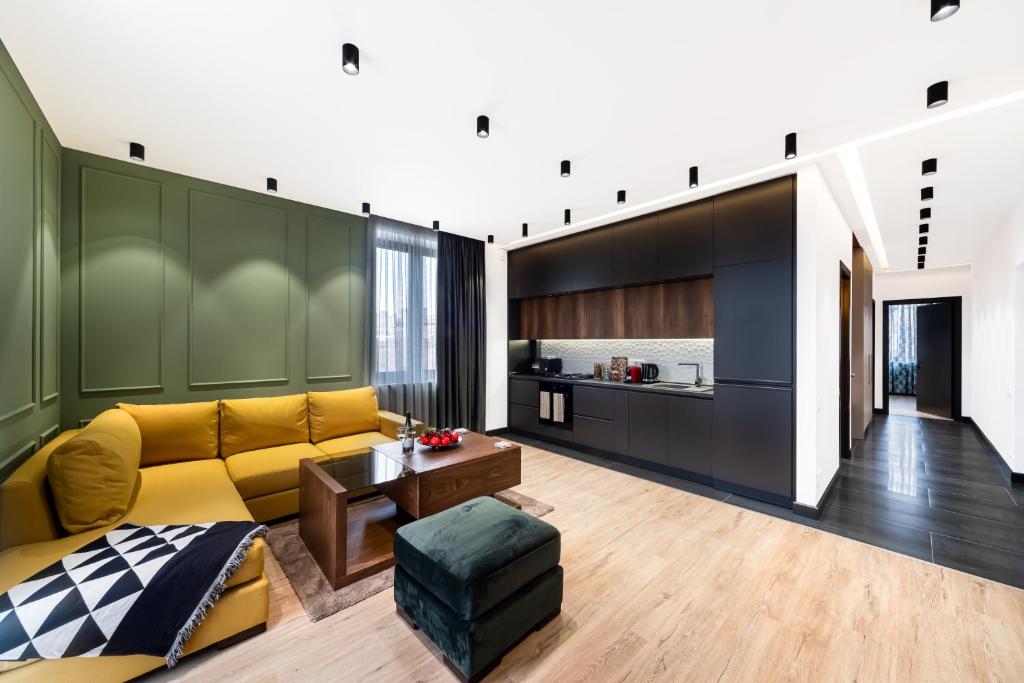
135, 590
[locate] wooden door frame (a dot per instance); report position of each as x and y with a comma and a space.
956, 315
845, 362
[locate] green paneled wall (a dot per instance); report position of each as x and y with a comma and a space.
178, 289
29, 279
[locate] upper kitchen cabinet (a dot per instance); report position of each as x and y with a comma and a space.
755, 223
592, 259
541, 269
636, 251
686, 239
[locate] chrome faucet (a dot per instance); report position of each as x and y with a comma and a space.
699, 381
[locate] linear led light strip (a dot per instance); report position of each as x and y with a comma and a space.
848, 155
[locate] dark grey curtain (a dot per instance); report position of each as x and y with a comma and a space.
461, 332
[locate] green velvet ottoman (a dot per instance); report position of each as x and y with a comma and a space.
477, 579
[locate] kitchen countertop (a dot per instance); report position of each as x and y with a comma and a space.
665, 388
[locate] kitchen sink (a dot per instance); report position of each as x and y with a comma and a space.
682, 388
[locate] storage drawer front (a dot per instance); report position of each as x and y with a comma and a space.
594, 433
524, 392
592, 402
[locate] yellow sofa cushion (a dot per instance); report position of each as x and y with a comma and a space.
269, 470
174, 432
249, 424
346, 445
340, 413
93, 475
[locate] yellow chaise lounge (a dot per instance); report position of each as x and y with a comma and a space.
194, 462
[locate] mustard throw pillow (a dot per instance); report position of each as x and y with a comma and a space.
176, 431
341, 413
248, 424
93, 475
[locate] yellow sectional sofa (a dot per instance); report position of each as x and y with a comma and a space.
230, 460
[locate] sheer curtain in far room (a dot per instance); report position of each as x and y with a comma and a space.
902, 379
402, 308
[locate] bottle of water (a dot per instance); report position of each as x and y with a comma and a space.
408, 434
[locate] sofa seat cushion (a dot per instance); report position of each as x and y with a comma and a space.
341, 413
474, 555
346, 445
172, 432
180, 493
249, 424
269, 470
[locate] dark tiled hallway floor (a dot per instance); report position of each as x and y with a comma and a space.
925, 488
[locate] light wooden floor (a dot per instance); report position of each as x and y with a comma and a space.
664, 585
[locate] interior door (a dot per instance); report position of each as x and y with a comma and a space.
935, 359
845, 376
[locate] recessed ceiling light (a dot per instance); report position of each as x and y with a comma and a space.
920, 258
568, 217
938, 94
929, 166
922, 250
565, 168
526, 230
693, 176
943, 9
923, 229
490, 239
790, 145
136, 152
272, 185
922, 240
927, 193
437, 225
366, 208
350, 59
620, 197
920, 266
483, 126
926, 213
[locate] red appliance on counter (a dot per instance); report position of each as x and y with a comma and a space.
635, 373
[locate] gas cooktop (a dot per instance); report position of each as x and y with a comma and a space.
568, 375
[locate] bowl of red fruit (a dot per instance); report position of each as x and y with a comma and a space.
439, 439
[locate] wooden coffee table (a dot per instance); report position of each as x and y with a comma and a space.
352, 541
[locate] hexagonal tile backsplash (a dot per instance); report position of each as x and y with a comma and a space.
579, 355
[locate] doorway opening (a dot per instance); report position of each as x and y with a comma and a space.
921, 343
845, 374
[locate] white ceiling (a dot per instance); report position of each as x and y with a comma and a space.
632, 92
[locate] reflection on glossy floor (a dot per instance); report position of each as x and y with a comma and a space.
907, 405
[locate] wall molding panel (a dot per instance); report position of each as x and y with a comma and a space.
14, 460
329, 299
49, 271
121, 283
47, 436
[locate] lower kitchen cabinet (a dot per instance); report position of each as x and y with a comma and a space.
593, 433
753, 440
648, 427
690, 426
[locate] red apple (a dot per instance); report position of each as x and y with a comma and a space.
445, 441
435, 441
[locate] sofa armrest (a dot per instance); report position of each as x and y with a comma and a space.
390, 423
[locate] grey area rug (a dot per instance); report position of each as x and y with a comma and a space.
316, 595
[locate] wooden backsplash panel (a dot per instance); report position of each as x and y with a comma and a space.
671, 310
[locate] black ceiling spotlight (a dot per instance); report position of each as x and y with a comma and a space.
272, 185
483, 126
938, 94
565, 168
791, 145
568, 217
922, 240
693, 173
927, 193
926, 213
920, 265
922, 250
620, 197
350, 59
923, 229
136, 152
437, 225
944, 9
929, 166
366, 208
490, 239
526, 230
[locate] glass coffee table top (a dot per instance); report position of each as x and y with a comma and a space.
362, 469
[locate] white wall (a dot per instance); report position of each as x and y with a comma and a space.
496, 274
997, 326
924, 284
823, 241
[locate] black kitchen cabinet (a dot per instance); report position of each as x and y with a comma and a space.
524, 392
522, 417
648, 427
593, 402
541, 270
592, 432
754, 322
636, 251
753, 441
686, 241
591, 261
755, 223
621, 442
690, 427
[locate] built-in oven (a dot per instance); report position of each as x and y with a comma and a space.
555, 404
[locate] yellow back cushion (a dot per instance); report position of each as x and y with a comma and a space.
176, 431
340, 413
93, 475
248, 424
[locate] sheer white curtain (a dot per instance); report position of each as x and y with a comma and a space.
402, 334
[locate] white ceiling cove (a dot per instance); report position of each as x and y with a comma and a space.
633, 93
